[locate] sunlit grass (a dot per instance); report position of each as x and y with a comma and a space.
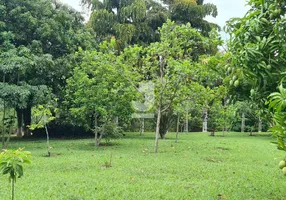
197, 167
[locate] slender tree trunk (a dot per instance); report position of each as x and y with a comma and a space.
251, 132
157, 129
178, 127
242, 122
259, 124
7, 140
19, 121
98, 139
187, 123
205, 122
160, 105
27, 121
96, 136
116, 120
142, 125
48, 141
12, 189
3, 125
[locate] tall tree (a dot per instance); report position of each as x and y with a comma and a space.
131, 22
193, 12
137, 21
37, 38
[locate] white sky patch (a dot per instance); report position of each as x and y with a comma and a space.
227, 9
76, 5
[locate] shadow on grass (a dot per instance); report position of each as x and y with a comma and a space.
255, 135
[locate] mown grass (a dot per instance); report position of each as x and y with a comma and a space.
197, 167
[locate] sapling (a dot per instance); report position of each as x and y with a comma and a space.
108, 163
42, 116
11, 163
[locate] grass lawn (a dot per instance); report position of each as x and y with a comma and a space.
197, 167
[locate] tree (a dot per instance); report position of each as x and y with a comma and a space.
193, 12
42, 115
36, 38
257, 48
96, 93
131, 22
172, 65
11, 163
257, 45
137, 21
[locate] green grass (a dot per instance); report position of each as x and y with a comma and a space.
197, 167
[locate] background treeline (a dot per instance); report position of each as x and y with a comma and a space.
89, 74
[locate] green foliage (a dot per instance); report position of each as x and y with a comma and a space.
193, 12
137, 21
11, 163
131, 22
277, 102
37, 41
42, 115
98, 88
109, 130
175, 68
257, 48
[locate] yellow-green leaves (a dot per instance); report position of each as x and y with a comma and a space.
11, 162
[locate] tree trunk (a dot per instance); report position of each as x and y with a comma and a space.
165, 120
157, 130
186, 124
19, 122
3, 125
205, 122
48, 141
7, 140
98, 139
96, 134
116, 120
142, 125
242, 122
259, 124
178, 127
27, 121
12, 188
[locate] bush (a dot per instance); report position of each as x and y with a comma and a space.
109, 130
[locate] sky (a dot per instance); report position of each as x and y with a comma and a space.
226, 10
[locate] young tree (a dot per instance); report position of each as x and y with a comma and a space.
172, 65
42, 115
96, 93
11, 163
